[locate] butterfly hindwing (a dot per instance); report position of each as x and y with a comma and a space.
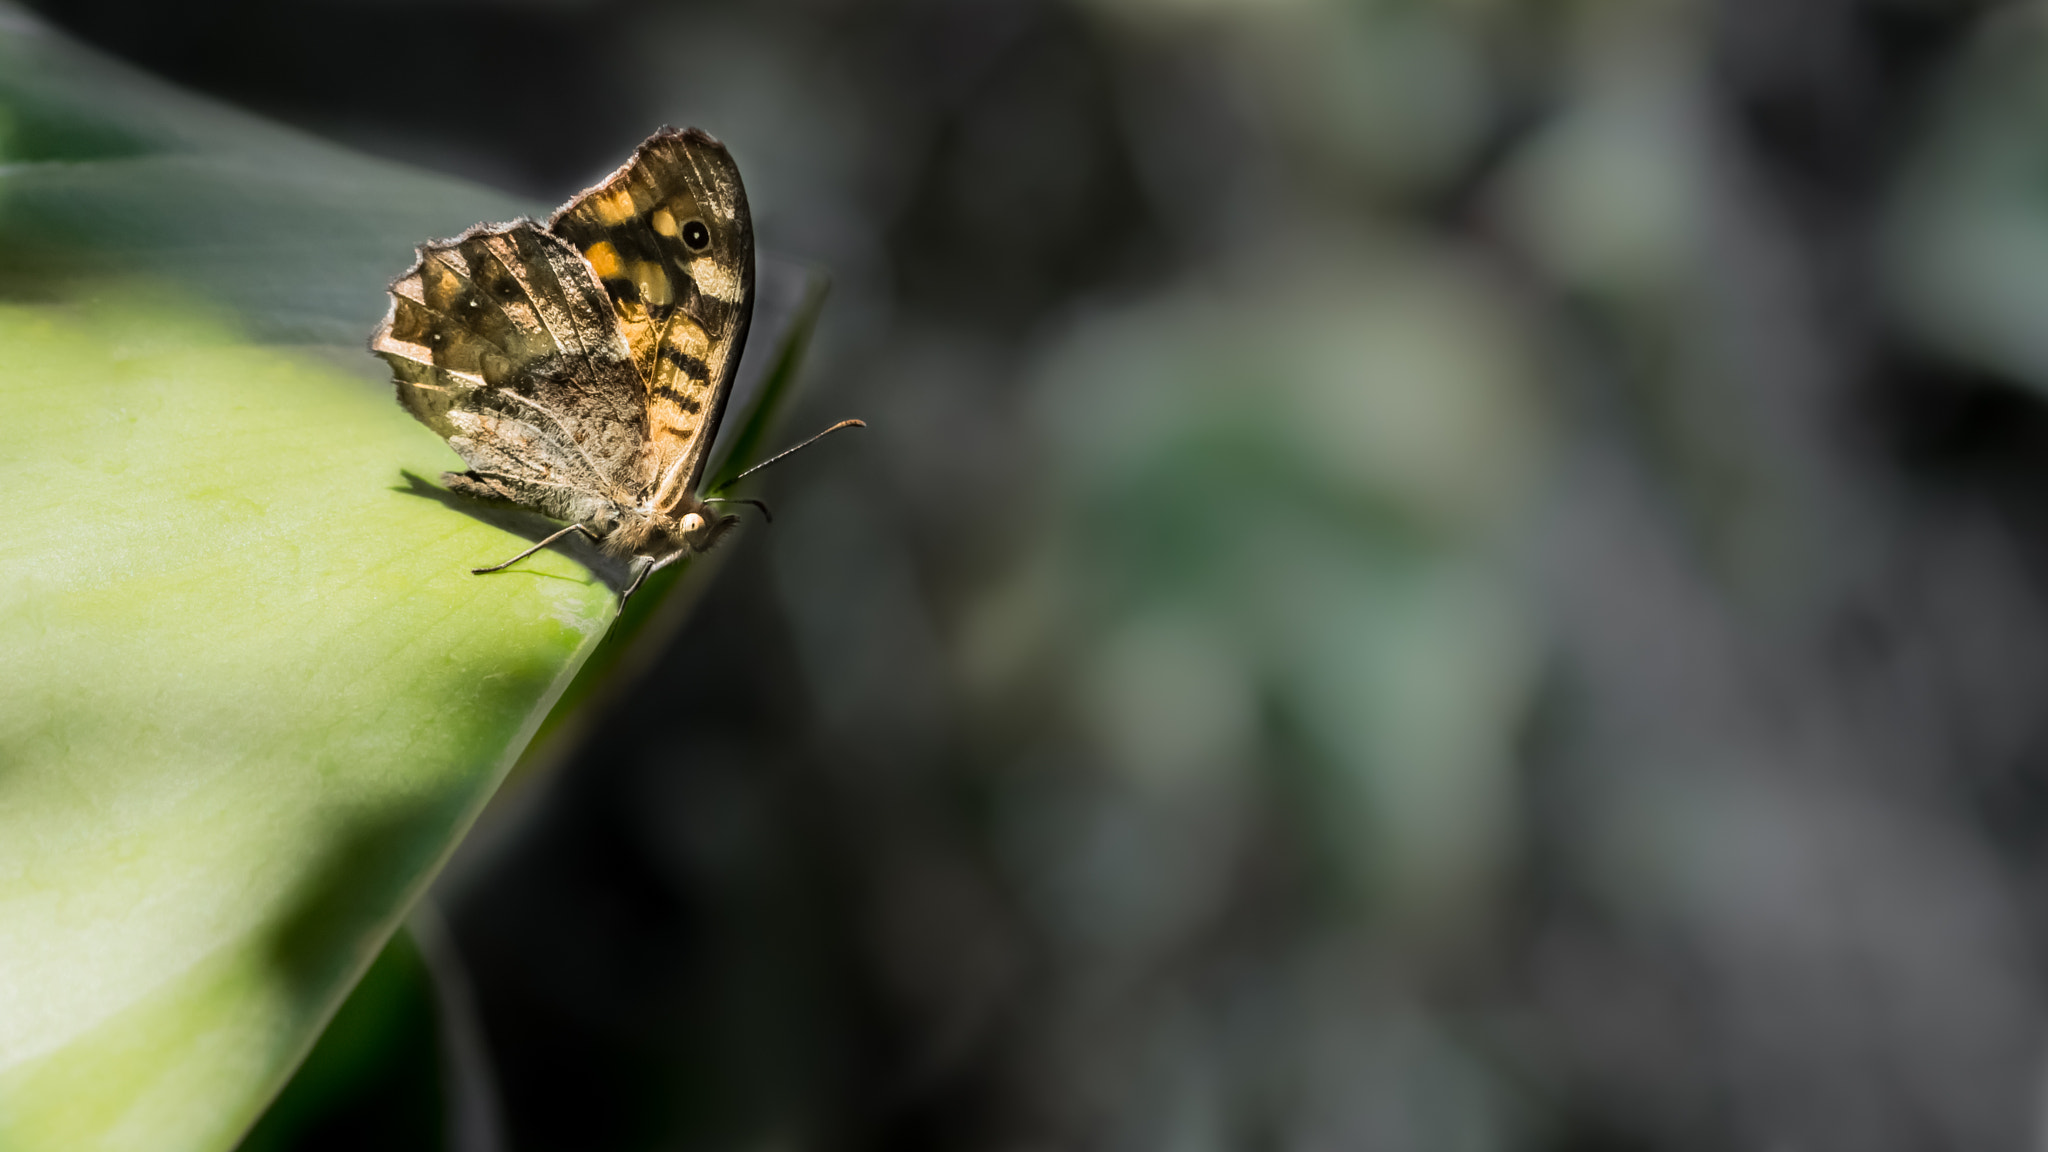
503, 341
670, 238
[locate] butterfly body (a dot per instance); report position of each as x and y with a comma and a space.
580, 368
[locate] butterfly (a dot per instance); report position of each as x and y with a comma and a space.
581, 367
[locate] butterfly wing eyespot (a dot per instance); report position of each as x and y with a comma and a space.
696, 237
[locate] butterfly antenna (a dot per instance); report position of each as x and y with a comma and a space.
799, 448
765, 513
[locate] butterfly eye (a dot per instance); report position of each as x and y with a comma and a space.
692, 524
696, 237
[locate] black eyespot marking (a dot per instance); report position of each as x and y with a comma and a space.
696, 237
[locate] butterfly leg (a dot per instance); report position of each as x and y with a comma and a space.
535, 548
646, 570
635, 585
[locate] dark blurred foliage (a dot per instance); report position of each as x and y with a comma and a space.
1428, 574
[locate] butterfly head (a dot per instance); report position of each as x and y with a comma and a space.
658, 535
700, 530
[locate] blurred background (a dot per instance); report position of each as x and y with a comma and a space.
1427, 574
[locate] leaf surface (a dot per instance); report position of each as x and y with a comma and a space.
251, 695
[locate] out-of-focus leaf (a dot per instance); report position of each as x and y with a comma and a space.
1353, 463
1966, 237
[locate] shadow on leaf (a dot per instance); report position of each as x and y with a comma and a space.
360, 882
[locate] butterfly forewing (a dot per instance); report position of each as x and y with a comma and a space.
669, 237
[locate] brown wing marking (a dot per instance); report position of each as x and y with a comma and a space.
502, 341
683, 310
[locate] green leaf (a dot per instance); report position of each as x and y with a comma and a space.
252, 695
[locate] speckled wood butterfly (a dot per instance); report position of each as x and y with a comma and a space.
581, 368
